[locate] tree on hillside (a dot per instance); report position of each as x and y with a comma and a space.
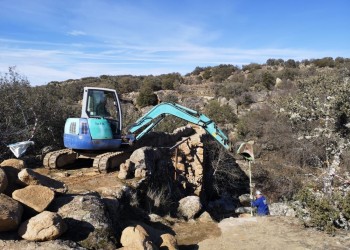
17, 119
320, 113
36, 113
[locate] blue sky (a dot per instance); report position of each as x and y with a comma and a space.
56, 40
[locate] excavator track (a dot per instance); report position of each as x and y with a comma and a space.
59, 158
109, 161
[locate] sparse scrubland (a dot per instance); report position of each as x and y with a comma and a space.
297, 114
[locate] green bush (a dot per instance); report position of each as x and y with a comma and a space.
220, 114
322, 211
170, 98
324, 62
231, 89
152, 82
169, 124
128, 84
146, 97
207, 74
170, 81
39, 111
222, 72
268, 80
251, 67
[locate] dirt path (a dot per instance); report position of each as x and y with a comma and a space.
271, 233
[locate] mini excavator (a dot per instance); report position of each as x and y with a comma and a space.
97, 134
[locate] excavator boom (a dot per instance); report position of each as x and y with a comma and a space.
157, 113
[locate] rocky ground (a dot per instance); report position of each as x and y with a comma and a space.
272, 232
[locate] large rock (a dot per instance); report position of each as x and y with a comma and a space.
35, 197
42, 227
30, 177
189, 206
3, 180
15, 163
10, 213
136, 238
12, 167
125, 170
205, 217
146, 161
281, 209
168, 242
139, 235
87, 220
243, 210
245, 200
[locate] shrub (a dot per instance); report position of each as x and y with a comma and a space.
222, 174
288, 73
197, 70
268, 80
158, 200
128, 84
324, 62
251, 67
146, 97
23, 106
169, 81
152, 82
222, 72
169, 124
220, 114
321, 211
244, 99
170, 98
207, 74
231, 89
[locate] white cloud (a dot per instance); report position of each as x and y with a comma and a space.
77, 33
62, 61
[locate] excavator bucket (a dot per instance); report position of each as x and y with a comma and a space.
246, 150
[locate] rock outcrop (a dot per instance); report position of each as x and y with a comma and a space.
87, 220
10, 213
190, 160
281, 209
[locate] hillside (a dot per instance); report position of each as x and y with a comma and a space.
296, 113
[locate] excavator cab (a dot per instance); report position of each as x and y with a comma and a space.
100, 124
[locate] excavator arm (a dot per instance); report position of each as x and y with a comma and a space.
159, 112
